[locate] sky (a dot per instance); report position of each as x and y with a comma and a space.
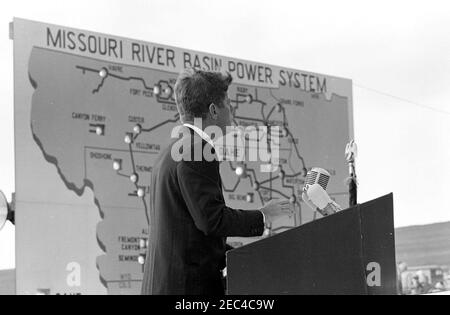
396, 52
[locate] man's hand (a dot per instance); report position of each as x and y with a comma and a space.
277, 209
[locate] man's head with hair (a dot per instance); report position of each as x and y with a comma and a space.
202, 94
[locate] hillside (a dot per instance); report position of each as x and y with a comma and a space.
7, 282
424, 245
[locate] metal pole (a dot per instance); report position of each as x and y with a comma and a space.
351, 152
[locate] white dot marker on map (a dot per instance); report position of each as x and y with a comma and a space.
127, 139
103, 73
168, 90
141, 193
99, 131
117, 166
249, 99
249, 198
156, 90
137, 129
142, 243
134, 178
141, 260
240, 171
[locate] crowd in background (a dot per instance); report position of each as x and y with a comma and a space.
423, 280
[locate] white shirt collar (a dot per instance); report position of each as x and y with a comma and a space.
201, 133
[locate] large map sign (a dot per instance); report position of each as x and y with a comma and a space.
92, 113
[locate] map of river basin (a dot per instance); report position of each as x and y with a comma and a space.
102, 125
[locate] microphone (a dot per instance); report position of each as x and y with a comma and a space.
315, 195
317, 176
319, 197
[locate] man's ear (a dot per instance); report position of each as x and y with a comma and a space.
213, 111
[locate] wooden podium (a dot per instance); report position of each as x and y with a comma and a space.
351, 252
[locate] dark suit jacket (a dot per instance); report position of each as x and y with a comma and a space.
189, 223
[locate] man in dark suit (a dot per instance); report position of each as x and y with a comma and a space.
189, 220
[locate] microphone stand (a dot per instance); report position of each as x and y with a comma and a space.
351, 153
